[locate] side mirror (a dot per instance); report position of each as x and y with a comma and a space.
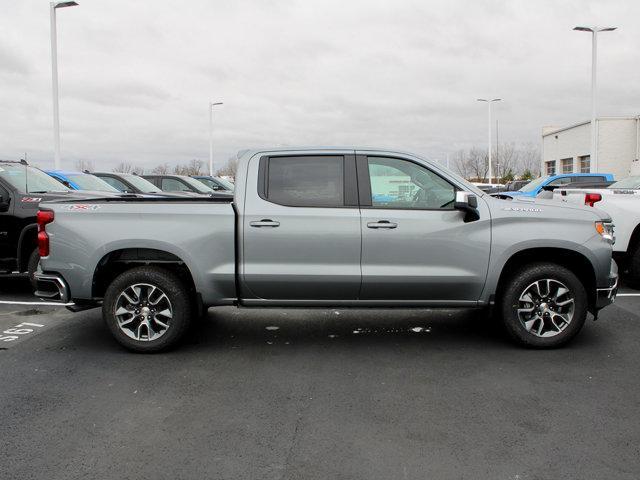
468, 203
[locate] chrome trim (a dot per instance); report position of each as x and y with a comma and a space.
60, 284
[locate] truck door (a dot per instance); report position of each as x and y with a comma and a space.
415, 245
301, 228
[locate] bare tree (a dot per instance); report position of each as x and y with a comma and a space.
230, 168
529, 159
127, 167
82, 165
161, 169
506, 159
194, 167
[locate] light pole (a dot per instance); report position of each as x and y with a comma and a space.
594, 57
53, 6
489, 102
211, 105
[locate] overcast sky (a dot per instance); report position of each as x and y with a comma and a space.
136, 76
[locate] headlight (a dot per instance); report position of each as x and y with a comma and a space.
605, 229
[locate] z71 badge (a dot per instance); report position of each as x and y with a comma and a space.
80, 207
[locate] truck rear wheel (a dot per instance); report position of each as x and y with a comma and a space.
147, 309
544, 305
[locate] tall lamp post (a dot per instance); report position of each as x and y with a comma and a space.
594, 58
53, 6
489, 102
211, 105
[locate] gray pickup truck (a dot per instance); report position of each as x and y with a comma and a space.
334, 228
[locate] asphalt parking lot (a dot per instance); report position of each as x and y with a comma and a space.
275, 394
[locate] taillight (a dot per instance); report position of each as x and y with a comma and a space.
592, 198
43, 217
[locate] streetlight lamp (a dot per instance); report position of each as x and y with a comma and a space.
211, 105
594, 57
489, 102
53, 6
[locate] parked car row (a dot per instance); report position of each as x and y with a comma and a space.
328, 228
23, 187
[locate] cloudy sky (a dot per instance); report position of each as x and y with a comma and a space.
136, 76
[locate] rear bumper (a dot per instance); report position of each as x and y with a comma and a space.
52, 288
607, 295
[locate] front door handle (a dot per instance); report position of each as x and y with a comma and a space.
382, 224
265, 222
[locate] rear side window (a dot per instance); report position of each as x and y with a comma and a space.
313, 181
173, 185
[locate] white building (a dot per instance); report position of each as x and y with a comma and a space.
566, 150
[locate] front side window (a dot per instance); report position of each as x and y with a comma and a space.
313, 181
402, 184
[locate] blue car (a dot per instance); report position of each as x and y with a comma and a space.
81, 181
534, 187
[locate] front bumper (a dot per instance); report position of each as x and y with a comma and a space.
607, 295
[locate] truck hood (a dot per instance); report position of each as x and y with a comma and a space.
523, 206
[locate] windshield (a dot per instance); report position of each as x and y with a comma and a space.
226, 183
38, 182
533, 184
630, 182
91, 182
197, 185
145, 186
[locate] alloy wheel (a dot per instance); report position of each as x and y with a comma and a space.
546, 307
143, 312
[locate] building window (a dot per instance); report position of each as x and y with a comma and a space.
585, 164
567, 165
550, 167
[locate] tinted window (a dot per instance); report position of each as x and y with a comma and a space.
314, 181
23, 176
402, 184
115, 183
560, 181
173, 185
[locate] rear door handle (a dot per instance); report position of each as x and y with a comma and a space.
382, 224
265, 222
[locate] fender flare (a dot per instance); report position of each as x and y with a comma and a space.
21, 239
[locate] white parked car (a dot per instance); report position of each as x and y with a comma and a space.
621, 201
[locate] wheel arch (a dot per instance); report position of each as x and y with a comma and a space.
574, 261
120, 260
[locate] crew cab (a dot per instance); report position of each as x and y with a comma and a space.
334, 228
621, 201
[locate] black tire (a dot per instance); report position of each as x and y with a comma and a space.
510, 302
175, 291
633, 268
32, 267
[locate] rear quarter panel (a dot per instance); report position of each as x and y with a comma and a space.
200, 234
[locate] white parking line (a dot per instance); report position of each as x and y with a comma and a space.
46, 304
628, 295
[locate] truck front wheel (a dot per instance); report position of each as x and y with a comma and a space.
544, 305
147, 309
